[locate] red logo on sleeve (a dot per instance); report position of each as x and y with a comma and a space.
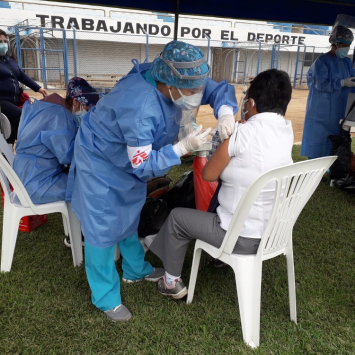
139, 158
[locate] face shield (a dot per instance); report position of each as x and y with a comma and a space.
190, 96
342, 34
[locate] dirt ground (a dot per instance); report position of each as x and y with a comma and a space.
295, 112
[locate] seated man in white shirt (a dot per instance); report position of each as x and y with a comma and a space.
262, 143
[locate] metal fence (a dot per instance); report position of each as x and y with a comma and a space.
51, 56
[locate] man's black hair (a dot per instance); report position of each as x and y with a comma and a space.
271, 91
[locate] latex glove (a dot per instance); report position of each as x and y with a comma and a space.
225, 126
348, 82
194, 140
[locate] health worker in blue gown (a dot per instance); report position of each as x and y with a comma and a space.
46, 140
329, 80
129, 137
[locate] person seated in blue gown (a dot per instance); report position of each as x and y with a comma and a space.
46, 136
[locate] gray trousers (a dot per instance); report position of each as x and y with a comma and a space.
184, 225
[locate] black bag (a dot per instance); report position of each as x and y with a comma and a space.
158, 186
182, 194
153, 216
340, 172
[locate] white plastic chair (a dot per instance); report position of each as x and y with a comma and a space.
294, 185
18, 204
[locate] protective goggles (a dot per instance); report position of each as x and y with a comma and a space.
186, 65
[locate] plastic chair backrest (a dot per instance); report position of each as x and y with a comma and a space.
294, 186
5, 126
5, 148
7, 174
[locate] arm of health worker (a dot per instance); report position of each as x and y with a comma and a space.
218, 95
325, 78
148, 163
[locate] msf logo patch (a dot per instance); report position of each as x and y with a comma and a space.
139, 158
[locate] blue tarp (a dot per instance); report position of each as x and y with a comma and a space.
321, 12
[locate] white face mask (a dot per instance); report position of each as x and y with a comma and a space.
187, 103
242, 112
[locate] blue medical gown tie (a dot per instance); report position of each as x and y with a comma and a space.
326, 103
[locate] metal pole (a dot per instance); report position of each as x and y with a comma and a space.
304, 58
295, 77
208, 46
245, 65
235, 70
65, 55
74, 48
146, 46
278, 57
176, 22
18, 46
44, 74
272, 56
259, 56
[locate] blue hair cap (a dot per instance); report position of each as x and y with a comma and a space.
176, 51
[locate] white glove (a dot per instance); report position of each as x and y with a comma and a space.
225, 126
349, 82
194, 140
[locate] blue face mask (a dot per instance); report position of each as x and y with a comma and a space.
79, 115
3, 48
342, 52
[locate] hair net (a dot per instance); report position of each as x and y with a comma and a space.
176, 51
342, 35
82, 91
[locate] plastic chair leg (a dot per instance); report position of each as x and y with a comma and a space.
246, 278
75, 237
65, 225
291, 286
9, 236
117, 253
193, 275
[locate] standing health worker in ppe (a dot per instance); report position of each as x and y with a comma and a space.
125, 140
329, 80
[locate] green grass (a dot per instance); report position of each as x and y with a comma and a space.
45, 305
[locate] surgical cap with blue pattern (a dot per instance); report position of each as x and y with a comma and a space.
343, 35
177, 51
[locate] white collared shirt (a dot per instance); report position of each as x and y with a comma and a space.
264, 142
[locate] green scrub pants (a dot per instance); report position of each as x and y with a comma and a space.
102, 274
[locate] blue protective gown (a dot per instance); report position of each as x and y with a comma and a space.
45, 143
326, 103
108, 194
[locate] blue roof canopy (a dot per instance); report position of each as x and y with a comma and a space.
321, 12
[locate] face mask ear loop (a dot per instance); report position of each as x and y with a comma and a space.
172, 99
